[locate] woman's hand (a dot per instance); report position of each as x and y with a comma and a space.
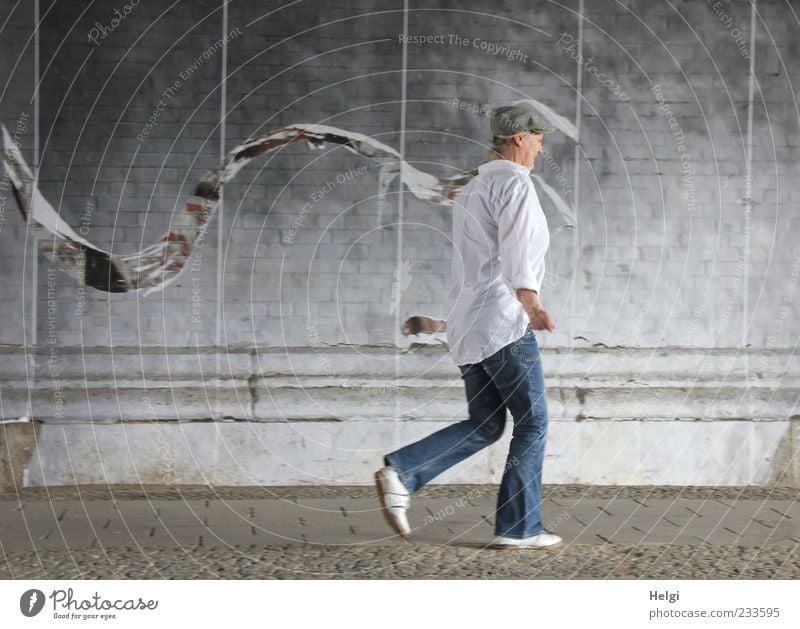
539, 317
541, 320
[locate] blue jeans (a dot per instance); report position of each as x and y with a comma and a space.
510, 379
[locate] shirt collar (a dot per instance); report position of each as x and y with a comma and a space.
503, 164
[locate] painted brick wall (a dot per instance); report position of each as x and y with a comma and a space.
17, 113
645, 266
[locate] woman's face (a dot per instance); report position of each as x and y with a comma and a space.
532, 147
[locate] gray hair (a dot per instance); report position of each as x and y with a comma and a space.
497, 147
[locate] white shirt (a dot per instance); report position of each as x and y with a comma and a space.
500, 238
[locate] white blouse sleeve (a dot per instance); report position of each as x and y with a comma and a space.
523, 238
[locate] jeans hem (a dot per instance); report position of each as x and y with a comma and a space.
518, 536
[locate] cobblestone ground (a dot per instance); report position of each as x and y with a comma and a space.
410, 561
365, 549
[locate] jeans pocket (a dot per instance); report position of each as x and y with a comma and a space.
529, 348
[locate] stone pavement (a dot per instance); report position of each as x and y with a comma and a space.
339, 532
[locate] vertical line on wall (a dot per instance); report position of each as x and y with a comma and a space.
221, 208
33, 335
36, 89
400, 198
748, 200
219, 340
577, 172
748, 212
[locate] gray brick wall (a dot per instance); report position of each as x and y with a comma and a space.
17, 114
644, 266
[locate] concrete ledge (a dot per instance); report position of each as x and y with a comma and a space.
367, 383
326, 415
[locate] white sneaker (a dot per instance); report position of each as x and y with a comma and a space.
542, 540
394, 499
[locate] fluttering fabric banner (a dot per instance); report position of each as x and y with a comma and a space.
155, 266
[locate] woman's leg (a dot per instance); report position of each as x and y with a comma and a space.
517, 372
418, 463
